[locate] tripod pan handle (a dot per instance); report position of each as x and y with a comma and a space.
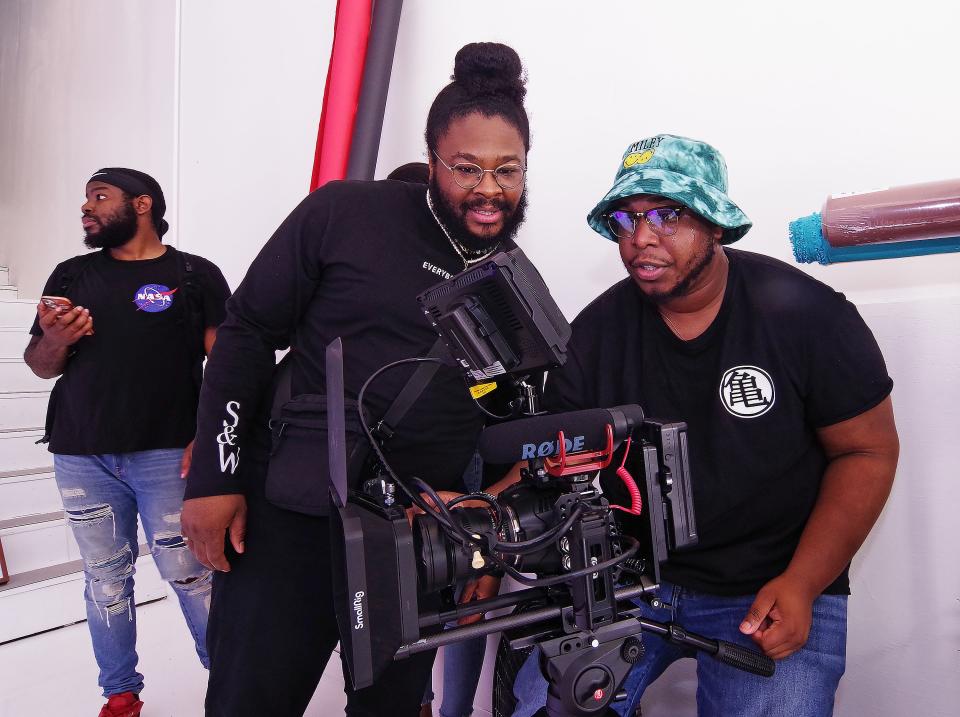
744, 659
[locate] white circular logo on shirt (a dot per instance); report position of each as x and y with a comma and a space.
747, 391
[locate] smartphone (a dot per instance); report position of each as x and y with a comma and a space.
56, 302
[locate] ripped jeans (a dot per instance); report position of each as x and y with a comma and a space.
102, 495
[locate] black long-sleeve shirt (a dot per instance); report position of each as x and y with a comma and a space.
349, 261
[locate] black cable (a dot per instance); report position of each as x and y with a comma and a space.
486, 498
442, 517
566, 577
453, 527
439, 509
489, 413
463, 537
520, 547
548, 536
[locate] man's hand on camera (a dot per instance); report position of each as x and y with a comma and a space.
779, 619
206, 521
445, 495
486, 586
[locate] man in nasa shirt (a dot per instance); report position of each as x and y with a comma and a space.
124, 409
793, 446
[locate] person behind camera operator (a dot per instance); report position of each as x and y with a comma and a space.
348, 262
792, 440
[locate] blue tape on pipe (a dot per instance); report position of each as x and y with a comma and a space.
809, 245
806, 236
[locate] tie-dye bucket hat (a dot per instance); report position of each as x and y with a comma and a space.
685, 170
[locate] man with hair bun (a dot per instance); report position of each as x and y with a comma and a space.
348, 262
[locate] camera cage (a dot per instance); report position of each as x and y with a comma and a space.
499, 320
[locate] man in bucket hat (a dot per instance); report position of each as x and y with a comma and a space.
792, 441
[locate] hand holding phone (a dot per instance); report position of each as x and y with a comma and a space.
66, 324
57, 302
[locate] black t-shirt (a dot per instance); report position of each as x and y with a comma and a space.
131, 385
348, 262
786, 355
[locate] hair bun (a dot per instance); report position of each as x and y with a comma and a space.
489, 68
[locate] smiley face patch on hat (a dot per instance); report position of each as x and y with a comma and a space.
640, 152
638, 158
153, 298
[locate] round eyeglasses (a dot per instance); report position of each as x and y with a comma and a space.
662, 220
468, 175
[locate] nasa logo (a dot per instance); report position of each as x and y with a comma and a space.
153, 298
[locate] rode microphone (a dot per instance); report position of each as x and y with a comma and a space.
537, 437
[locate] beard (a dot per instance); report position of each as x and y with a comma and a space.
453, 218
117, 230
698, 264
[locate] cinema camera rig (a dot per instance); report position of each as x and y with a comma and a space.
500, 323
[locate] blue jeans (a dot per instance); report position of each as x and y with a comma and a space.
462, 664
462, 661
803, 685
102, 495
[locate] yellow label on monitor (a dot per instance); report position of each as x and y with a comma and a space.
482, 389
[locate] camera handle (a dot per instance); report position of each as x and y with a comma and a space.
729, 653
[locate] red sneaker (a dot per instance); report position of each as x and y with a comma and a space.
126, 704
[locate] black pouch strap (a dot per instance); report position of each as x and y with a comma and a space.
384, 429
409, 393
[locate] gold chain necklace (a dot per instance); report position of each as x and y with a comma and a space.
672, 326
709, 311
456, 247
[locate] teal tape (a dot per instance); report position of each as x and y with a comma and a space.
809, 245
890, 250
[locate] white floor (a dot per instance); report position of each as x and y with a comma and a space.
55, 674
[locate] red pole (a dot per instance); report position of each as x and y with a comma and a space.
342, 91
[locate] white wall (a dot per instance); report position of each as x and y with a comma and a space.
251, 93
82, 86
802, 100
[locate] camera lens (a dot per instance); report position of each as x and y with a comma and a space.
441, 560
528, 512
